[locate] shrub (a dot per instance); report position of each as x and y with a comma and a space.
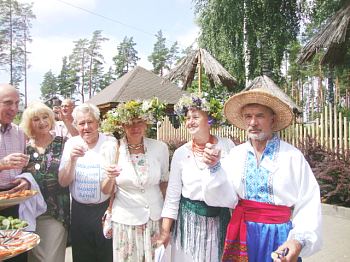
331, 171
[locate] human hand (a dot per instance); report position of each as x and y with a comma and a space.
20, 184
288, 252
211, 154
162, 239
14, 161
78, 151
113, 171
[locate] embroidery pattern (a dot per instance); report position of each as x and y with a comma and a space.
257, 179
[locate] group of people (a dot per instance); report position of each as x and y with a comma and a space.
219, 202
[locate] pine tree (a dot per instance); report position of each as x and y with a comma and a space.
127, 58
49, 87
160, 54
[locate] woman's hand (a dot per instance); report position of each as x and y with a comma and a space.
163, 238
108, 184
77, 151
113, 171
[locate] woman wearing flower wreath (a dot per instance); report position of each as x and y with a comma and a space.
139, 181
199, 229
45, 153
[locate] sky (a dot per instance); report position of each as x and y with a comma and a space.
60, 22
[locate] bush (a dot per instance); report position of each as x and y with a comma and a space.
332, 173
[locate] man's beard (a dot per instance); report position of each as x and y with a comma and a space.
260, 137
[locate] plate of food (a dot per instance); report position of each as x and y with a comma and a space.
10, 223
11, 199
17, 243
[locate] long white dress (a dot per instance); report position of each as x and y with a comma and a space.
186, 179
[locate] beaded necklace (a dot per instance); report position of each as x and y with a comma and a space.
197, 150
135, 147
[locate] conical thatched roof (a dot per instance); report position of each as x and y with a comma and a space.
186, 70
265, 83
333, 37
136, 84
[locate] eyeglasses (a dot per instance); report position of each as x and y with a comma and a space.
9, 103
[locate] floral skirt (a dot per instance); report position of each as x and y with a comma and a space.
135, 243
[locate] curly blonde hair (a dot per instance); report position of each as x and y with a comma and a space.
35, 109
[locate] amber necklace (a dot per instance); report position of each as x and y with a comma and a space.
197, 150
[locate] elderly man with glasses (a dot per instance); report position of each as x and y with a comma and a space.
12, 147
65, 127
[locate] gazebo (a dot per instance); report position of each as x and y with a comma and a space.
265, 83
333, 38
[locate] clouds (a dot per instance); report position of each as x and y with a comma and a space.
60, 22
48, 10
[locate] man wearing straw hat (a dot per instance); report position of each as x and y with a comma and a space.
268, 182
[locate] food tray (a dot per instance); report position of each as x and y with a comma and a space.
14, 244
7, 199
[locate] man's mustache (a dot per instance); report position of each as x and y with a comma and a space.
254, 129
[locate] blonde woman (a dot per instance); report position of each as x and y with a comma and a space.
138, 181
45, 153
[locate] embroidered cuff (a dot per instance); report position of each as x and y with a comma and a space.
301, 240
215, 168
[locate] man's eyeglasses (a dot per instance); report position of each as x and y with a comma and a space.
9, 103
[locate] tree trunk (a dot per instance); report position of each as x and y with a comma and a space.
246, 50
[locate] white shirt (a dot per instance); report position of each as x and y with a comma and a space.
86, 185
60, 129
293, 185
135, 204
187, 176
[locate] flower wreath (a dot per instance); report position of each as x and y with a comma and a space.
150, 111
212, 106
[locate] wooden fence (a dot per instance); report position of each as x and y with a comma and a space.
330, 131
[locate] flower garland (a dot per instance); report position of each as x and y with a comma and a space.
212, 106
150, 111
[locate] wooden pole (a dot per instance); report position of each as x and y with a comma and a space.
199, 72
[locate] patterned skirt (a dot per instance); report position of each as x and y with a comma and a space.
135, 243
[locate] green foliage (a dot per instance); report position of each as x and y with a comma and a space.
49, 87
213, 107
127, 58
15, 23
265, 26
151, 111
162, 57
66, 80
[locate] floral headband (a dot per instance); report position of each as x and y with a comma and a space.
150, 111
212, 106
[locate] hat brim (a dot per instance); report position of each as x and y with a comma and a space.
233, 108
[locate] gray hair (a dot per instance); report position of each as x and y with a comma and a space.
86, 108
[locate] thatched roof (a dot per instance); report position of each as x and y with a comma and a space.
137, 84
333, 37
266, 83
186, 70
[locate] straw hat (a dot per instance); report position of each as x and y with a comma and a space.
233, 108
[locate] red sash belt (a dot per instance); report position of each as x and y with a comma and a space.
247, 210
